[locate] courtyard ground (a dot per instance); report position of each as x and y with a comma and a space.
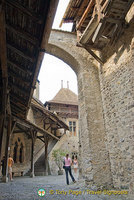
26, 188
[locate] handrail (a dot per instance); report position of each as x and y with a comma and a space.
39, 150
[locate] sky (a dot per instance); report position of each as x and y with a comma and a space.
53, 70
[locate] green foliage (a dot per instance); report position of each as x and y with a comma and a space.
58, 156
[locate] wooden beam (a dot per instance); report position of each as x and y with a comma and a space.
3, 62
21, 53
88, 9
18, 89
19, 131
92, 25
38, 137
25, 11
30, 125
21, 102
51, 116
19, 78
96, 33
18, 107
46, 33
2, 122
8, 105
22, 131
94, 55
83, 4
23, 34
3, 51
26, 71
13, 126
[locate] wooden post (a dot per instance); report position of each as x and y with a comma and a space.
1, 134
5, 178
3, 60
46, 139
33, 137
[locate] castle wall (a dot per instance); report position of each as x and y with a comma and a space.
94, 164
117, 89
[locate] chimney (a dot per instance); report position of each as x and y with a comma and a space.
61, 83
67, 84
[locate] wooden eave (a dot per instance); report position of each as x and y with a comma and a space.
97, 22
27, 126
47, 114
24, 30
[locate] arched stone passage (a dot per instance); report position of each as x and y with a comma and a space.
95, 163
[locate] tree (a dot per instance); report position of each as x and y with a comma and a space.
58, 156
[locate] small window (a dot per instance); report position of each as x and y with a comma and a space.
72, 127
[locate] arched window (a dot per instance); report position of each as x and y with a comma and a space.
21, 153
15, 152
18, 151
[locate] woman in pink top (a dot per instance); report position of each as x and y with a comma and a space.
68, 163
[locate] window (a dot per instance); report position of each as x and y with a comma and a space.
18, 152
72, 127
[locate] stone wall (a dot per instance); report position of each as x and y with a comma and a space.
117, 88
95, 165
106, 107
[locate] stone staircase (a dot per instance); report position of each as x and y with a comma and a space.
39, 166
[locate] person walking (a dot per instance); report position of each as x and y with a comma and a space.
75, 164
67, 164
10, 164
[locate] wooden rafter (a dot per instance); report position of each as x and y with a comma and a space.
83, 4
18, 89
3, 51
91, 3
26, 71
26, 11
52, 9
23, 34
14, 49
52, 118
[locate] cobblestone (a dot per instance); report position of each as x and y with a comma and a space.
25, 188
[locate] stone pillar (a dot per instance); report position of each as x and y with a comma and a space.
95, 162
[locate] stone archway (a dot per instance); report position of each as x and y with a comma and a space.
95, 163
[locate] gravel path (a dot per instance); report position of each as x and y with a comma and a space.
25, 188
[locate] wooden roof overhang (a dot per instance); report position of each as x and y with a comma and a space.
26, 126
24, 31
46, 114
73, 103
97, 22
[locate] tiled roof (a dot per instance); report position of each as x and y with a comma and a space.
65, 96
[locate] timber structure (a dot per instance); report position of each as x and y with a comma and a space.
24, 31
97, 22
